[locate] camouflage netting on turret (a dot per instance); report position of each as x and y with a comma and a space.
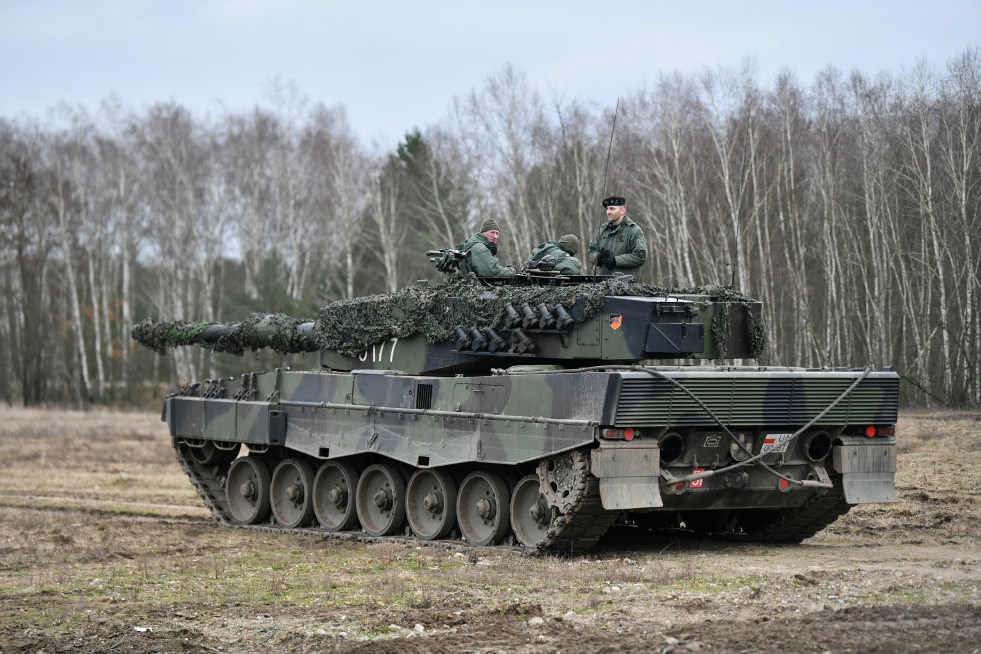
756, 333
351, 326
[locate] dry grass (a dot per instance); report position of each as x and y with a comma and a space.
100, 528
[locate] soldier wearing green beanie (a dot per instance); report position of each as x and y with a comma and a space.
563, 251
482, 247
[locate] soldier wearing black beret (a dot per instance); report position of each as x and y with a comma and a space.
619, 246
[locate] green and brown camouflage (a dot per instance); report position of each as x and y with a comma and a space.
413, 428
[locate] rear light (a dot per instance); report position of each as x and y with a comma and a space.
872, 431
626, 434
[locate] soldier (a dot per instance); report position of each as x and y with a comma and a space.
563, 251
483, 252
619, 246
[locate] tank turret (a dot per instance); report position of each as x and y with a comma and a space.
470, 326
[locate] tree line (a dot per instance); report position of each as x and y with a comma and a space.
848, 205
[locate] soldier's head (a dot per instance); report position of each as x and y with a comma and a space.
615, 209
570, 243
490, 229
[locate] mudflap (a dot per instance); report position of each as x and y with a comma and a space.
628, 474
868, 469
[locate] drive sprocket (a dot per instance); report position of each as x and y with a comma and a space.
568, 486
563, 478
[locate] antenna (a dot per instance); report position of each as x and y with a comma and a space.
610, 150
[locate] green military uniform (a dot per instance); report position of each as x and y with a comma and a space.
565, 261
483, 258
625, 242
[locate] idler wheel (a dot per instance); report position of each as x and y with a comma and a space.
291, 495
482, 508
333, 496
381, 500
531, 515
247, 488
430, 504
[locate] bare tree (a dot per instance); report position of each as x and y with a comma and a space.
71, 160
499, 128
667, 175
120, 202
733, 157
29, 228
336, 174
849, 206
186, 225
916, 169
383, 211
960, 160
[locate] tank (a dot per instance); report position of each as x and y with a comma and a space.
543, 413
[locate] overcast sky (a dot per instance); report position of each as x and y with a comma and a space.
396, 65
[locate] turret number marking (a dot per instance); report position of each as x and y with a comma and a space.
378, 352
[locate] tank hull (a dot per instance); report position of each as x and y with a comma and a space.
545, 459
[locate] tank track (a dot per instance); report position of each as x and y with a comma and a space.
791, 526
582, 524
582, 520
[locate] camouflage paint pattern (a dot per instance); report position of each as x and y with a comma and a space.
540, 376
516, 420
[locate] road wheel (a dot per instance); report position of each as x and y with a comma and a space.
247, 489
430, 504
482, 508
291, 497
333, 496
381, 500
530, 513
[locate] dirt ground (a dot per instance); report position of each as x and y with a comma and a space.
104, 547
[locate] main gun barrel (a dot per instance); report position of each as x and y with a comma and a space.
281, 333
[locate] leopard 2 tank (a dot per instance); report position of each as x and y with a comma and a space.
535, 412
